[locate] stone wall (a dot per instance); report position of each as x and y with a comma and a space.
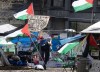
7, 9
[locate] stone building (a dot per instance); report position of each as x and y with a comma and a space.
62, 15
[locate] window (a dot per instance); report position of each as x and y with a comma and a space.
78, 26
36, 3
11, 4
44, 3
98, 3
57, 3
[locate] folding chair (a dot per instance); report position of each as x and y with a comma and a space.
70, 63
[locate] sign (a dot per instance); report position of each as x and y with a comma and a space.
38, 22
95, 66
95, 53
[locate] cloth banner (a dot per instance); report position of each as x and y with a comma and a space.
38, 22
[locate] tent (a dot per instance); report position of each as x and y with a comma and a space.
25, 40
6, 27
67, 47
95, 28
70, 39
55, 44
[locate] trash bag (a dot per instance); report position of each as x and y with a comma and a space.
39, 67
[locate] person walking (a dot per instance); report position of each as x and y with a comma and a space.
45, 50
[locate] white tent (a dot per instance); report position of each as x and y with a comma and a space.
95, 28
6, 27
4, 42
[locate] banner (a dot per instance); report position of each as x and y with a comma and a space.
38, 22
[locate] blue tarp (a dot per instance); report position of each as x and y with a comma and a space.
22, 40
70, 39
25, 40
55, 44
35, 33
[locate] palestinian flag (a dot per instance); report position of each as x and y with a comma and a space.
80, 5
23, 14
20, 31
67, 47
92, 41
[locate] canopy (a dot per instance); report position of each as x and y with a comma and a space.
95, 28
6, 27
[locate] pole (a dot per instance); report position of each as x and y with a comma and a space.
4, 58
36, 48
92, 16
34, 43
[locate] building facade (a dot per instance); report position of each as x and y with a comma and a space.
61, 12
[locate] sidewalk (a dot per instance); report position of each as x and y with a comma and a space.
32, 70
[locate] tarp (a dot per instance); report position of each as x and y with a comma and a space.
67, 47
55, 44
70, 39
95, 28
25, 40
35, 34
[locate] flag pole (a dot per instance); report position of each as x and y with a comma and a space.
92, 14
36, 47
32, 40
32, 8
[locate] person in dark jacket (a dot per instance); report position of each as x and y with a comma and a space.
45, 50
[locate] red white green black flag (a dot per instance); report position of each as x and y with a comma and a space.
80, 5
23, 14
